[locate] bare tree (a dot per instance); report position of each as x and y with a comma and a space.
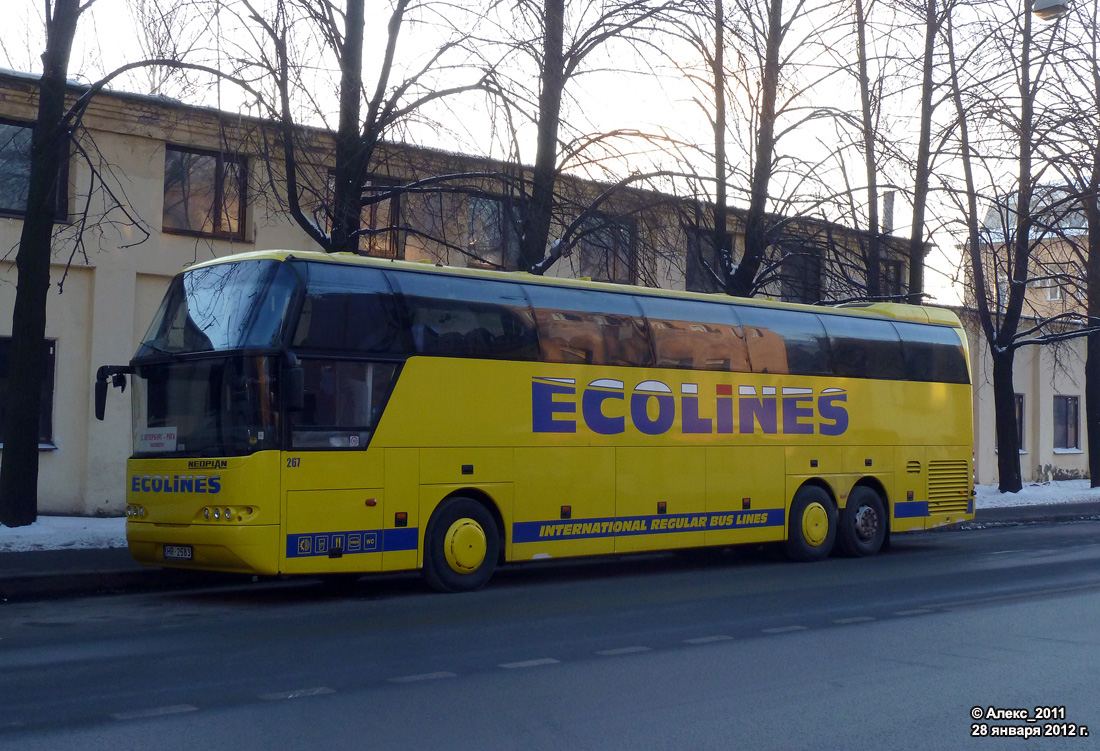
560, 41
291, 49
999, 130
760, 89
1076, 158
19, 466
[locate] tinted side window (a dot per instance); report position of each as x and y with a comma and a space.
864, 348
692, 334
454, 316
784, 341
343, 402
933, 353
585, 326
349, 309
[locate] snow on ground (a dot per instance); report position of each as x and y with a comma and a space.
64, 533
1058, 491
68, 532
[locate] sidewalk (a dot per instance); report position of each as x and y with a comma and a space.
33, 574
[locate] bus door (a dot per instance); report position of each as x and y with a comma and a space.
333, 512
327, 526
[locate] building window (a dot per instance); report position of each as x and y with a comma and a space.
45, 416
800, 275
15, 169
701, 253
891, 278
380, 216
204, 193
1055, 277
1065, 422
607, 250
493, 230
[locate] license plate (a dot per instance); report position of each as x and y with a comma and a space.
177, 552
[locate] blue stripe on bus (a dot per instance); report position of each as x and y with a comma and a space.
645, 525
405, 538
351, 543
910, 509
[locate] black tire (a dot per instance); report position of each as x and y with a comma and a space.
461, 546
863, 523
811, 528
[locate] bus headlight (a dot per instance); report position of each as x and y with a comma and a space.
227, 514
217, 513
206, 513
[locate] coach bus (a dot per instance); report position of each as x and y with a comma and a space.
309, 413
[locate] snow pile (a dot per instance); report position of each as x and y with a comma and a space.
1058, 491
64, 533
69, 532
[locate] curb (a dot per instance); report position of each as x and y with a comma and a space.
61, 584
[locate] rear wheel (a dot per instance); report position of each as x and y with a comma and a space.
461, 546
862, 523
811, 529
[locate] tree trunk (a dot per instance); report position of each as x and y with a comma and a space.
924, 150
19, 465
873, 252
536, 222
1004, 409
722, 245
1092, 282
743, 279
351, 157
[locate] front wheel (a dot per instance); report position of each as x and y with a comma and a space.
461, 546
862, 523
811, 529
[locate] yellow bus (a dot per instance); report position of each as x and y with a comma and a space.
307, 413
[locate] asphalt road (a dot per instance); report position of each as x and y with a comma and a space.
737, 650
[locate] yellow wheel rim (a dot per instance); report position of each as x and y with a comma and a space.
815, 524
464, 545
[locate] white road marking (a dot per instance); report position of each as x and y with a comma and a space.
783, 629
708, 639
155, 712
856, 619
319, 691
918, 611
423, 677
622, 651
529, 663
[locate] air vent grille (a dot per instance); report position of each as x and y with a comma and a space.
948, 486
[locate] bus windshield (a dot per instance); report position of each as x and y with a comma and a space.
241, 305
214, 406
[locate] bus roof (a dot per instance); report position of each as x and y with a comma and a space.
897, 311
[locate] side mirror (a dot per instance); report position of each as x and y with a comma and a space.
117, 374
100, 397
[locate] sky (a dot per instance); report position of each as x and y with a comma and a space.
71, 533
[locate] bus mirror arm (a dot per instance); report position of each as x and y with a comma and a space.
117, 374
295, 393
